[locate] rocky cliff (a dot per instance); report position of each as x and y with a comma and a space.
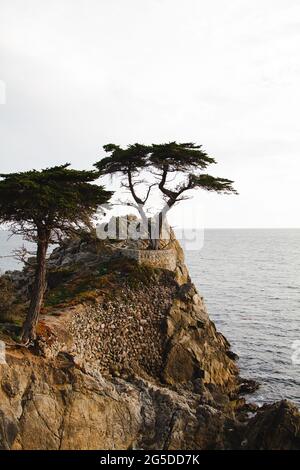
127, 358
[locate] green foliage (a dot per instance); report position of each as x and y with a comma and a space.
82, 287
210, 183
182, 163
58, 276
54, 198
58, 296
7, 298
12, 309
184, 157
134, 157
142, 275
106, 279
44, 206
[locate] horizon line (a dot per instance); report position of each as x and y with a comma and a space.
236, 228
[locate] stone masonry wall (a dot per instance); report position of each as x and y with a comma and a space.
164, 259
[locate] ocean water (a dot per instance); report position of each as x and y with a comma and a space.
250, 280
7, 246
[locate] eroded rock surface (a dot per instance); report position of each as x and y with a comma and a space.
275, 427
127, 358
54, 405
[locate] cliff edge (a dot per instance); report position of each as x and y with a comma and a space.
127, 358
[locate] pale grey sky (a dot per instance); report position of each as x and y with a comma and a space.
82, 73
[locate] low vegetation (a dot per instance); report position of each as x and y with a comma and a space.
70, 286
12, 307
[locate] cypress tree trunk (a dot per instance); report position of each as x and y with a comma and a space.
29, 327
158, 228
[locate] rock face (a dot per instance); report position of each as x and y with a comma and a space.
127, 358
167, 336
195, 348
146, 320
275, 427
54, 405
165, 259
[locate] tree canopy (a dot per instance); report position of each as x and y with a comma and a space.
43, 206
173, 168
128, 162
186, 161
57, 198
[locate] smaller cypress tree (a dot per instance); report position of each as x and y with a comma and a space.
43, 206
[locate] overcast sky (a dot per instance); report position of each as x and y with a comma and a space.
226, 74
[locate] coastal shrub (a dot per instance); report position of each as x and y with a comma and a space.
11, 307
71, 286
6, 295
81, 288
58, 276
130, 270
45, 206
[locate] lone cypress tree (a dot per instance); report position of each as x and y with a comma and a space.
185, 164
175, 168
129, 163
43, 206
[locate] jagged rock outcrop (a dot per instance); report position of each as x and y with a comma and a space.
195, 348
54, 405
155, 323
275, 427
127, 357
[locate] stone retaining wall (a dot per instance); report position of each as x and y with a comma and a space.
165, 259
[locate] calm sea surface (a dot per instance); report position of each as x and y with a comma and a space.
250, 280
